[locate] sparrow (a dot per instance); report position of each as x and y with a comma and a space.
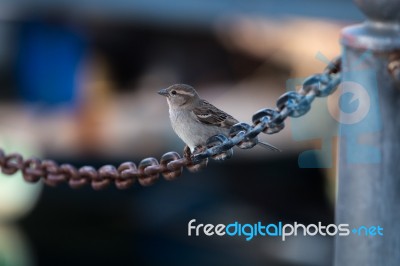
195, 120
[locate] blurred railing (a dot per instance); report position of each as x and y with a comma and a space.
369, 159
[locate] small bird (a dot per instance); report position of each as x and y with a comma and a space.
195, 120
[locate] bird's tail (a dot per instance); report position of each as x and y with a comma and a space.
268, 146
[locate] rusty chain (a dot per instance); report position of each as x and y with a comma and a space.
219, 147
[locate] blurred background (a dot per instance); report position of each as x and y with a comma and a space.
78, 83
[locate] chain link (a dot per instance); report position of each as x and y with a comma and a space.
171, 164
271, 121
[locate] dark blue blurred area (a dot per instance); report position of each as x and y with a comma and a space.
49, 56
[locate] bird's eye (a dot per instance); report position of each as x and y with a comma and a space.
173, 92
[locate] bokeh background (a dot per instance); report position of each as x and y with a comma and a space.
78, 83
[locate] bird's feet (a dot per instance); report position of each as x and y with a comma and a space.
187, 153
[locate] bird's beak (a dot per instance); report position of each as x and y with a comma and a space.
163, 92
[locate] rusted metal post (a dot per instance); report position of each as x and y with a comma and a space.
369, 163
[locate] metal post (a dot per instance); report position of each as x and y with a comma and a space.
369, 161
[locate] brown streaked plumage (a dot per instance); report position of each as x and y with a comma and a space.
195, 120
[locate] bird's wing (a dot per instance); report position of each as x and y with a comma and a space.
209, 114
